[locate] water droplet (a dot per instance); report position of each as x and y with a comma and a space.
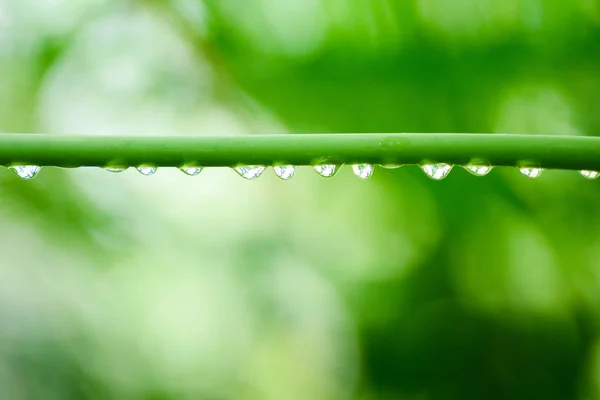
326, 170
589, 174
25, 171
146, 170
390, 166
285, 172
250, 172
479, 169
363, 171
191, 171
436, 171
115, 169
530, 172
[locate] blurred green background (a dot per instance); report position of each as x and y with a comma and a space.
171, 287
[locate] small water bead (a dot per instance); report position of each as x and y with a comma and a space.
115, 169
326, 170
146, 170
25, 171
436, 171
250, 172
363, 171
390, 166
479, 169
285, 172
589, 174
530, 172
191, 170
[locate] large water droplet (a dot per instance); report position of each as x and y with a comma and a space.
479, 169
285, 172
115, 169
530, 172
146, 170
363, 171
390, 166
191, 170
589, 174
436, 171
250, 172
326, 170
25, 171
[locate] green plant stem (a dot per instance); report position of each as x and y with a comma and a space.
562, 152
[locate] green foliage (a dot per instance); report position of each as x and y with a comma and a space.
170, 287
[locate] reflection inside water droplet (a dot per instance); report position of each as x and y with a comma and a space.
146, 170
589, 174
363, 171
191, 170
326, 170
478, 169
530, 172
285, 172
436, 171
25, 171
250, 172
